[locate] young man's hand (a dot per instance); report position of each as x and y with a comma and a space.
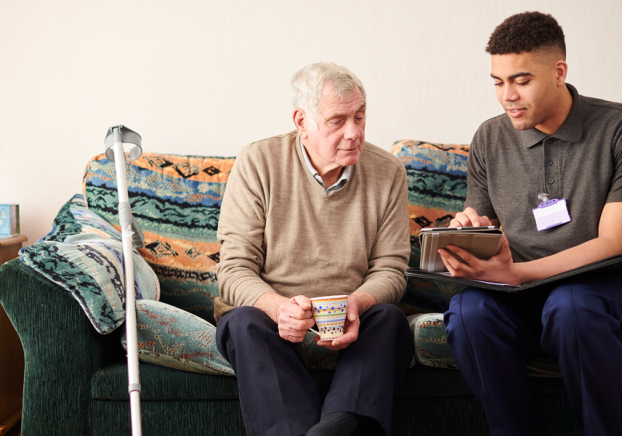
469, 218
500, 268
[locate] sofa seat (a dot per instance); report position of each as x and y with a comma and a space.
164, 384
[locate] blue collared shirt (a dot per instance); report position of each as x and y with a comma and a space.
345, 175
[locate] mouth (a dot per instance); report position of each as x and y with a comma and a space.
516, 112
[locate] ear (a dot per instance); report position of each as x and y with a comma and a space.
561, 71
300, 121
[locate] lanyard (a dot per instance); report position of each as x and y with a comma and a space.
544, 196
553, 212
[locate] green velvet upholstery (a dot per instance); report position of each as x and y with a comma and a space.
76, 381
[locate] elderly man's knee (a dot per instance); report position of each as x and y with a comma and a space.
388, 315
245, 318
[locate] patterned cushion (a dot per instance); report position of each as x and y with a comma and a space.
436, 191
176, 200
83, 254
174, 338
431, 348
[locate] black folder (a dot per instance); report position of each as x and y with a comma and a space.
610, 266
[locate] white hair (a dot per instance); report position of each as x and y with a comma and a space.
308, 83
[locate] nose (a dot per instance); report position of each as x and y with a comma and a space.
352, 131
509, 93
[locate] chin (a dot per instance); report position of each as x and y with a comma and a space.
522, 125
349, 161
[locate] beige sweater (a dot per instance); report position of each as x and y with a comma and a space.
280, 231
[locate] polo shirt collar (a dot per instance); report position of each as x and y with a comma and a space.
570, 131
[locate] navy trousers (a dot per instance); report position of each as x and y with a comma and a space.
277, 394
576, 322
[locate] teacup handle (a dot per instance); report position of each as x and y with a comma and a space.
315, 331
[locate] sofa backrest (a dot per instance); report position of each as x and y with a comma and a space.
437, 189
176, 201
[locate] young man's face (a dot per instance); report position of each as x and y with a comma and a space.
340, 136
527, 86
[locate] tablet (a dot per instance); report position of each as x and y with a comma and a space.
481, 242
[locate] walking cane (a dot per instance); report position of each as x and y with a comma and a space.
130, 231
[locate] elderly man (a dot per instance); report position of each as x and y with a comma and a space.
315, 212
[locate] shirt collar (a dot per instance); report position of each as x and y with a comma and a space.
570, 131
345, 175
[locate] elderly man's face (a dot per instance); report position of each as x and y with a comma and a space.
339, 138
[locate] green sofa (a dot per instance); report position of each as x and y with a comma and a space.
76, 378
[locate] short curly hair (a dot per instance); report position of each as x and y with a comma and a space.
526, 32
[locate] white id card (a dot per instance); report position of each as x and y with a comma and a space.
551, 213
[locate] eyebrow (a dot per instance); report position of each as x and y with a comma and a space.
340, 115
514, 76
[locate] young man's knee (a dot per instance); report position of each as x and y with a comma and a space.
572, 304
475, 309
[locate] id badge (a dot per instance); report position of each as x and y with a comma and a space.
551, 213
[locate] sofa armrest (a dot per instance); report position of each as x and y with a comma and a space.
61, 349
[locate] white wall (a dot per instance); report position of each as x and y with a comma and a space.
206, 77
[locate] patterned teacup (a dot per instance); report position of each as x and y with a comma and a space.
330, 315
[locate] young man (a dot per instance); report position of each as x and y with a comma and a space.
551, 143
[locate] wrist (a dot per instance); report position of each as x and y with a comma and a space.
521, 273
270, 303
363, 301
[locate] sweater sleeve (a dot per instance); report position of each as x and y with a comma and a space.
241, 233
389, 257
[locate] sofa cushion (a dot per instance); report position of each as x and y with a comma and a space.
83, 254
176, 201
432, 349
174, 338
437, 189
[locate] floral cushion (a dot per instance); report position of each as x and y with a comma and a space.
432, 349
83, 254
176, 201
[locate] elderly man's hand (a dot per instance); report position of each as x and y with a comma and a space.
295, 318
350, 330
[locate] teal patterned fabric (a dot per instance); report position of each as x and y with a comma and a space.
176, 201
174, 338
171, 337
83, 254
437, 190
432, 349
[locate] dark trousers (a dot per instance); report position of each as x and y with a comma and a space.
576, 322
277, 394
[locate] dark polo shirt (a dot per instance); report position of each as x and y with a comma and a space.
581, 162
